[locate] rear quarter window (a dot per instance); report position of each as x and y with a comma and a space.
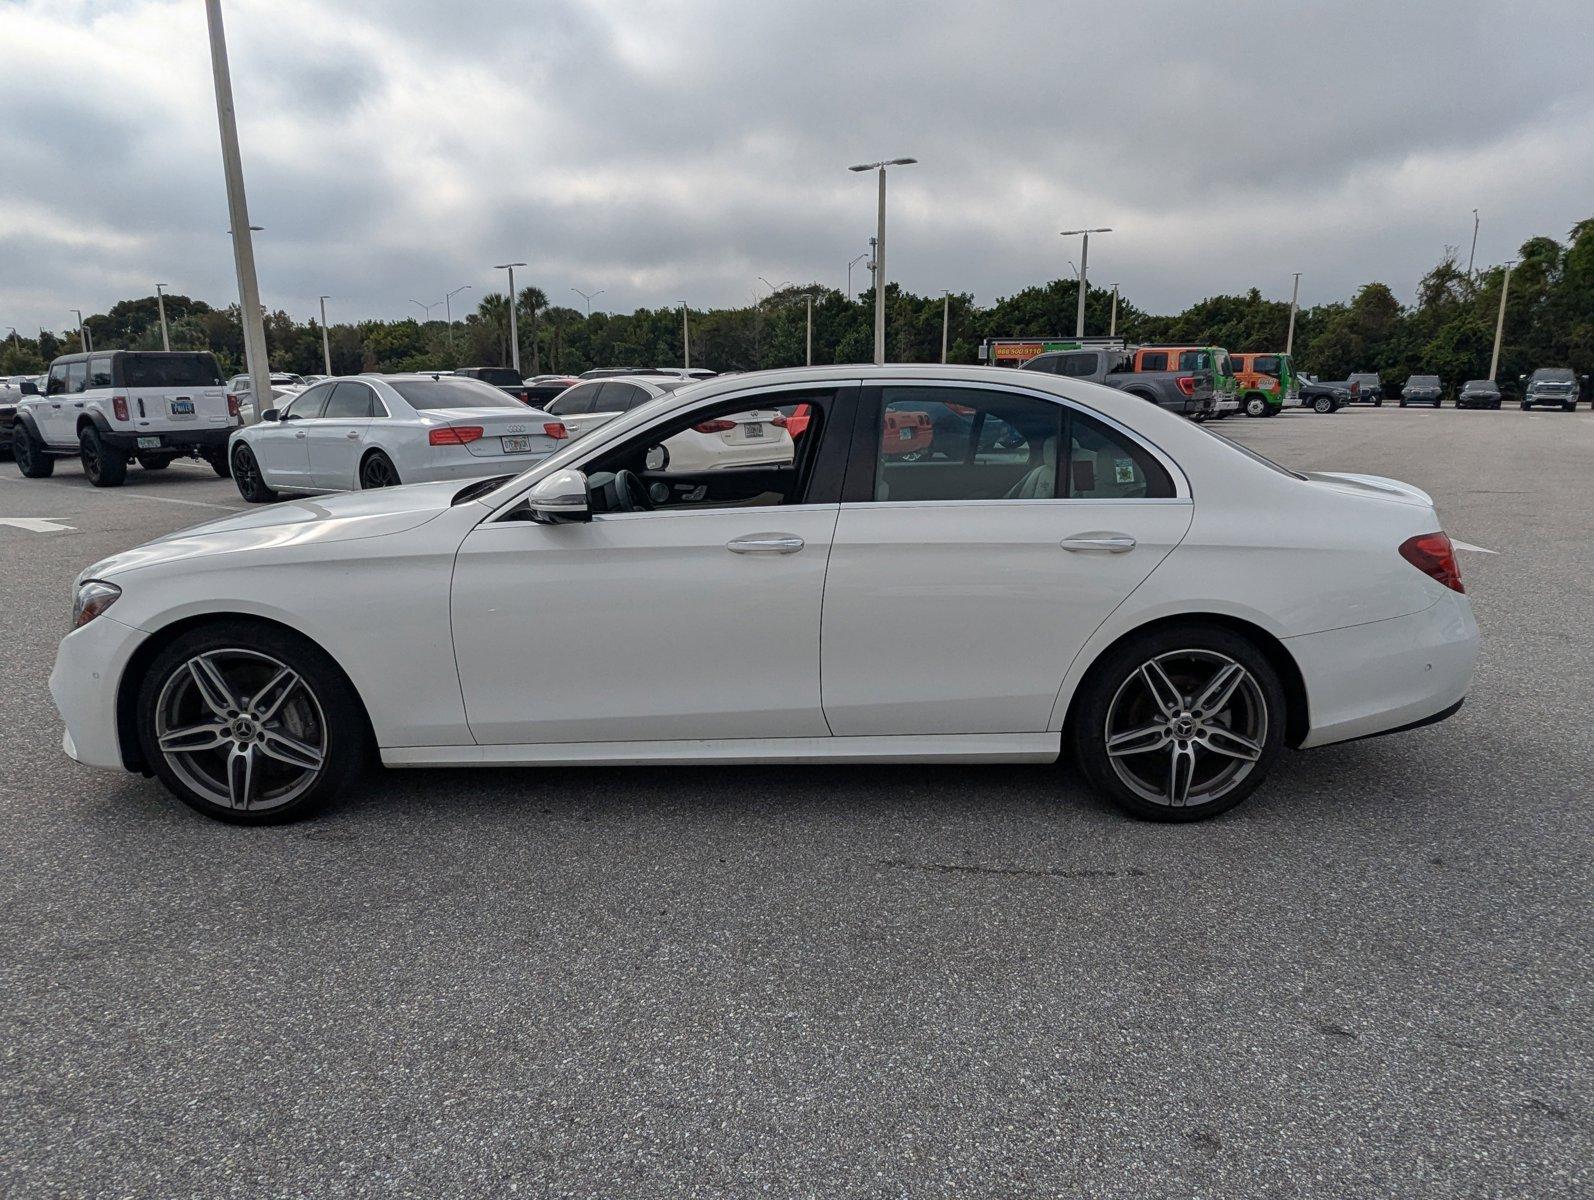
434, 394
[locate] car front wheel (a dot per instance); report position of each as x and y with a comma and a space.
1323, 405
247, 475
1179, 724
29, 454
1255, 406
250, 724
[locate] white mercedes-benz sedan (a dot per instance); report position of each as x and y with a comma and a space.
1105, 582
371, 431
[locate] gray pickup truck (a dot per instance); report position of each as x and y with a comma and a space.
1189, 393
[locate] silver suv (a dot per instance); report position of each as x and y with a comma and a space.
1551, 385
115, 406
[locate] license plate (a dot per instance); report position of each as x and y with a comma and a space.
516, 445
906, 433
149, 443
182, 408
755, 429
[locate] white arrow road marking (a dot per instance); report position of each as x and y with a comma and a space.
36, 524
1470, 546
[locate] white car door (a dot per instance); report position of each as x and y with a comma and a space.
282, 447
586, 406
962, 583
698, 619
336, 437
53, 412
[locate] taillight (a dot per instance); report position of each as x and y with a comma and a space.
1186, 384
1435, 556
525, 397
455, 435
717, 426
119, 407
232, 404
556, 430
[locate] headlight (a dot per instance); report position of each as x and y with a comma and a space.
93, 597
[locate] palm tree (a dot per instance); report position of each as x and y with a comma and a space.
494, 313
533, 299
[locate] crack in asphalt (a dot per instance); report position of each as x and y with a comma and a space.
1023, 872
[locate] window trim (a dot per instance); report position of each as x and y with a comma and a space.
370, 395
858, 487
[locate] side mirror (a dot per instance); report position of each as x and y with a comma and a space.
560, 498
271, 414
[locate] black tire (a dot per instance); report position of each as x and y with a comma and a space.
1526, 406
1496, 404
104, 465
29, 454
1569, 407
1402, 404
321, 712
151, 463
1323, 404
1378, 404
219, 463
246, 474
377, 471
1439, 403
1117, 677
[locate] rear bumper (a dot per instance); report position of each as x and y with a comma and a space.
180, 441
1385, 675
438, 470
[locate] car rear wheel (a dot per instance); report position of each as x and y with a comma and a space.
378, 471
250, 724
29, 454
247, 475
1179, 724
219, 463
104, 466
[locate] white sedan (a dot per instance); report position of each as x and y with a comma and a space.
1109, 584
371, 431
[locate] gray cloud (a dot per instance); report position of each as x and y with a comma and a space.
669, 148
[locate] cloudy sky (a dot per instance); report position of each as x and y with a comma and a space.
660, 149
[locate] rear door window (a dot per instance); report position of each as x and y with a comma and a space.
77, 375
1077, 365
1154, 360
100, 371
349, 401
958, 444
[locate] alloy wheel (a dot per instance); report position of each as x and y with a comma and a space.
1186, 727
377, 472
246, 473
242, 729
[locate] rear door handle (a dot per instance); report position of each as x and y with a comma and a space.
765, 543
300, 434
353, 433
1102, 543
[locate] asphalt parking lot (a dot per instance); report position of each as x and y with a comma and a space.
1372, 979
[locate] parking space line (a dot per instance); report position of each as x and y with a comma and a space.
37, 524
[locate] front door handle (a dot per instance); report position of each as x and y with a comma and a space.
1102, 543
765, 543
300, 434
353, 433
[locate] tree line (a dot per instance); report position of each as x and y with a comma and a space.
1448, 330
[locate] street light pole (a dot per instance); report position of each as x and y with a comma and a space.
243, 249
946, 320
1112, 329
588, 297
514, 332
160, 304
426, 308
1295, 295
326, 343
850, 266
810, 299
448, 312
1473, 253
84, 344
1084, 266
1499, 321
880, 252
686, 340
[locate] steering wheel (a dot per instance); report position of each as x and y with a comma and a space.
630, 493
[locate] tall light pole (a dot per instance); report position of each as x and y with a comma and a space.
448, 311
810, 356
946, 320
84, 344
160, 304
1084, 266
243, 248
1473, 253
326, 343
686, 339
1112, 330
850, 266
1295, 295
773, 287
588, 297
514, 332
426, 308
1499, 321
880, 252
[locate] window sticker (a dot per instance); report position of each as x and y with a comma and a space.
1123, 470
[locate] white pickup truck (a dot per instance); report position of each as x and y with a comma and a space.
113, 407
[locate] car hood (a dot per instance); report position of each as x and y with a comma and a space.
344, 517
1371, 485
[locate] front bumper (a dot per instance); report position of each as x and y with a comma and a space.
1225, 404
1378, 677
88, 669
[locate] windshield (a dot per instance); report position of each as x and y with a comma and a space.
1423, 381
1553, 375
1478, 385
431, 394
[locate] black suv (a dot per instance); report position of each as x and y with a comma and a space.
1422, 389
